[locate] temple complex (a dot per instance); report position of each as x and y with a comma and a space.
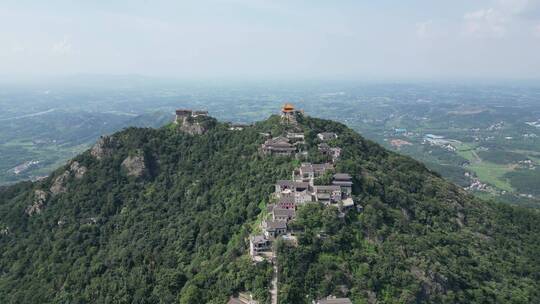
182, 114
288, 113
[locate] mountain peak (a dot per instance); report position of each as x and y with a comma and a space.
194, 121
166, 215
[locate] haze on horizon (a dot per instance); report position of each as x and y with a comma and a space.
485, 39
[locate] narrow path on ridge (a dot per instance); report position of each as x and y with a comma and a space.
274, 290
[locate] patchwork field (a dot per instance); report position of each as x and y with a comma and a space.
485, 139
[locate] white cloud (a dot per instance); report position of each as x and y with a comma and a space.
504, 18
62, 47
485, 23
423, 29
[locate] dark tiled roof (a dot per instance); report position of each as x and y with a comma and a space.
342, 183
282, 149
292, 184
327, 188
272, 225
183, 111
283, 182
278, 144
279, 147
308, 167
286, 199
279, 139
284, 212
258, 239
342, 176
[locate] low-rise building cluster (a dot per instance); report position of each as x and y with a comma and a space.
289, 145
280, 146
333, 152
237, 126
326, 136
301, 189
309, 183
182, 114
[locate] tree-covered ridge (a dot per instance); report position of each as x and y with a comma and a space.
178, 232
419, 239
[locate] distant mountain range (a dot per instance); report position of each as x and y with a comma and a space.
50, 137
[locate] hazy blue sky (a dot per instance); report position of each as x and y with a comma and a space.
272, 39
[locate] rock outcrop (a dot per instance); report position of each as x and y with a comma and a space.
40, 197
104, 147
192, 128
432, 282
59, 183
77, 170
195, 125
135, 165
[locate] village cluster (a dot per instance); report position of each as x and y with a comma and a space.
300, 190
304, 187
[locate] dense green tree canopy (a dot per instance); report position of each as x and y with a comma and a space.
178, 233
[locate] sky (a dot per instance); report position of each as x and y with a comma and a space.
281, 39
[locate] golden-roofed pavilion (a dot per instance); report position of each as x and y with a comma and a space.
287, 108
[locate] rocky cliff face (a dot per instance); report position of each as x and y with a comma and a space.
135, 165
196, 125
77, 170
40, 197
104, 147
59, 184
192, 128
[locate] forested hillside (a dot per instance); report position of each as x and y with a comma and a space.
161, 216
